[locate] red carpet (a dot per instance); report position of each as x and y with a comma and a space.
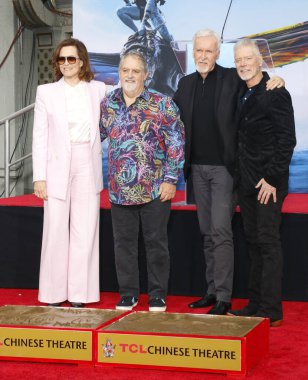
293, 204
287, 360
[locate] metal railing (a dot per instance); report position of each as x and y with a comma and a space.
7, 162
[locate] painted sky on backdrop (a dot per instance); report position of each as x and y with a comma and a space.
96, 20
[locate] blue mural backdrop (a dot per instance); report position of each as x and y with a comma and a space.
279, 24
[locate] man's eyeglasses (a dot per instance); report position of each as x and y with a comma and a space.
70, 60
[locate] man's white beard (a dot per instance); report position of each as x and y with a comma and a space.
129, 86
203, 70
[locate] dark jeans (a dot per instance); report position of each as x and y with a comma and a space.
213, 189
126, 220
261, 226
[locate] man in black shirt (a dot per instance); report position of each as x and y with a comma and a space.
266, 139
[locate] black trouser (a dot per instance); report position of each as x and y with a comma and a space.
262, 233
126, 220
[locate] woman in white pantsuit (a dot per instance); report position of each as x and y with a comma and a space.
67, 174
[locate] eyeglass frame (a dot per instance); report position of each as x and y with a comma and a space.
67, 59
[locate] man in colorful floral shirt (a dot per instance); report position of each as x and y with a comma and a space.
146, 156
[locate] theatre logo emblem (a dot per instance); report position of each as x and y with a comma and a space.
108, 349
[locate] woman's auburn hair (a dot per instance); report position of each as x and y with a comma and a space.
85, 73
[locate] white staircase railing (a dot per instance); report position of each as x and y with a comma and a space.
7, 162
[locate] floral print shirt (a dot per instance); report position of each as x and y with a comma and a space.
146, 145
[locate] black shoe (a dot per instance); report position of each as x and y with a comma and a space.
157, 304
274, 322
247, 311
220, 308
55, 304
127, 303
205, 301
77, 304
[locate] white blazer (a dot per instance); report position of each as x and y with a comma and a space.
51, 147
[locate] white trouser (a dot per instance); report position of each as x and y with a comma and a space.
70, 248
